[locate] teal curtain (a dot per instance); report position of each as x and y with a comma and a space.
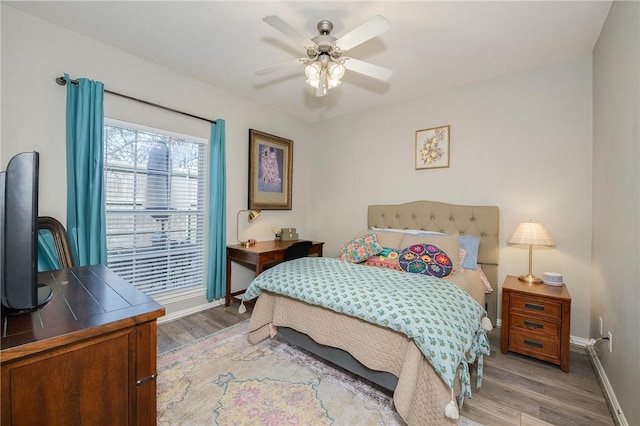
47, 253
217, 273
86, 227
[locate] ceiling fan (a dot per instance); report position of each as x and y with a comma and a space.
325, 63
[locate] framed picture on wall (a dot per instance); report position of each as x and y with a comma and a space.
432, 148
270, 171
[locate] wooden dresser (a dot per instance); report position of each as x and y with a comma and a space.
536, 321
86, 357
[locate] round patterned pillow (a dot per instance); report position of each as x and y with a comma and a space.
426, 259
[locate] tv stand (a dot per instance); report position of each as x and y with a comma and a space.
88, 356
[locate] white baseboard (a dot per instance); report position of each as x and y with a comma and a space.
179, 304
607, 390
192, 310
578, 341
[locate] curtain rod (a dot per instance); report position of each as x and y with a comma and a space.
62, 82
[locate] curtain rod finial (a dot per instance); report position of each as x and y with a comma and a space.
61, 81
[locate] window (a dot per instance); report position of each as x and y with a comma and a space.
155, 206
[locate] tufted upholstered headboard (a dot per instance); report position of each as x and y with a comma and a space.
479, 221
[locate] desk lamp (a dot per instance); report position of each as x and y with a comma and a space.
253, 215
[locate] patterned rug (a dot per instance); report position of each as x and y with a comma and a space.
222, 379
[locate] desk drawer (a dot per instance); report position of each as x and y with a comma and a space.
536, 307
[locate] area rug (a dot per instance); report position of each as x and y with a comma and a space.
222, 379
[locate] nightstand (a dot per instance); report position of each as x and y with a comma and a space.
536, 320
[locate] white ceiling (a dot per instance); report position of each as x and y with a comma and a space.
430, 46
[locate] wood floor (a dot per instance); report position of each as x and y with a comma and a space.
516, 390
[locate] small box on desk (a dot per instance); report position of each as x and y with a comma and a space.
289, 236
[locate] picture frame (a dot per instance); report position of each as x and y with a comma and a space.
270, 171
432, 148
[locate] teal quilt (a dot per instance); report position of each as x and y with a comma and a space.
442, 319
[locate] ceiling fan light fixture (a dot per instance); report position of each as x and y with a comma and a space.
312, 71
333, 83
313, 83
324, 64
336, 71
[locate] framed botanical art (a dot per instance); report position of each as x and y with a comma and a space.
270, 171
432, 148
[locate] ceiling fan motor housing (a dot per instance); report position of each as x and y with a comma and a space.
325, 27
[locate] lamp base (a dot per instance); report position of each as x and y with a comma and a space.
245, 244
530, 279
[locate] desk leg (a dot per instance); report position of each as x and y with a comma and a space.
227, 296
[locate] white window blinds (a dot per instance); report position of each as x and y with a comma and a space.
155, 207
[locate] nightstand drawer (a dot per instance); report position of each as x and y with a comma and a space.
536, 307
533, 325
529, 343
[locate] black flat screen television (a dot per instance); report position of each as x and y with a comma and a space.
19, 288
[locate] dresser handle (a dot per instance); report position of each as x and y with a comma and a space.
145, 380
534, 306
533, 324
532, 343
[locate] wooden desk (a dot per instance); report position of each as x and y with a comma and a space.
86, 357
259, 255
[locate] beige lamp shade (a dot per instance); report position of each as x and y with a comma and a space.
531, 234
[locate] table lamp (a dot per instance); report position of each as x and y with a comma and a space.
253, 215
531, 234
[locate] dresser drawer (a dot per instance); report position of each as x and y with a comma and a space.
536, 307
534, 325
532, 344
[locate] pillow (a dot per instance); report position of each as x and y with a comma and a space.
471, 244
467, 242
360, 248
387, 258
462, 254
426, 259
469, 280
485, 282
385, 239
450, 244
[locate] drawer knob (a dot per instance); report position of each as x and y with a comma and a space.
534, 306
533, 324
532, 343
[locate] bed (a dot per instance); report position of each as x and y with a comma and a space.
382, 355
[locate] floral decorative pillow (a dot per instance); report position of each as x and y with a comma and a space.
360, 249
387, 258
449, 244
426, 259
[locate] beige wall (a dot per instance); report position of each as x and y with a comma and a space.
615, 282
521, 142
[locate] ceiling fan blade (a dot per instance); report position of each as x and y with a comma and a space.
367, 69
282, 65
277, 23
366, 31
